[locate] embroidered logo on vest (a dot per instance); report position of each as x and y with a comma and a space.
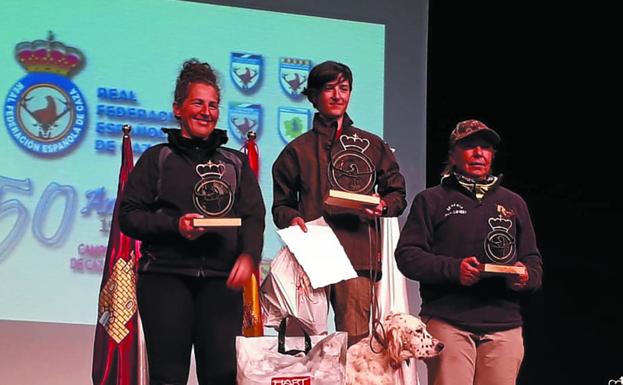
455, 209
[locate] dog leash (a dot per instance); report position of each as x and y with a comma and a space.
374, 258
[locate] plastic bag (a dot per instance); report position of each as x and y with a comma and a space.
262, 361
286, 292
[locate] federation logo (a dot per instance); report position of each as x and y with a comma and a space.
293, 75
244, 117
293, 122
246, 71
44, 112
499, 243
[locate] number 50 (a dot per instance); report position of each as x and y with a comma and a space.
49, 195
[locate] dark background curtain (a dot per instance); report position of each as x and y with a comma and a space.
533, 74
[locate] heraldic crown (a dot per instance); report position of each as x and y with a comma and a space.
500, 223
354, 142
211, 169
49, 56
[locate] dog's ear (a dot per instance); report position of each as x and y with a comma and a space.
396, 350
394, 346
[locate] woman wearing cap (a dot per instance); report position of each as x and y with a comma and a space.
452, 231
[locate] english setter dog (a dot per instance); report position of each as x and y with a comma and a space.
406, 337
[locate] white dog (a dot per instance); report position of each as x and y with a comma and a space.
406, 338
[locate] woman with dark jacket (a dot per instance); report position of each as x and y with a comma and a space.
188, 274
452, 231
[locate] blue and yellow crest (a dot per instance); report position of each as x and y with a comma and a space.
44, 112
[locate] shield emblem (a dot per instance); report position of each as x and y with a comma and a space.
244, 117
293, 75
293, 122
246, 71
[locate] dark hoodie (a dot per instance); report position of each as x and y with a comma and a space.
160, 190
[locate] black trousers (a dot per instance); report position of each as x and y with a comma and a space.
180, 312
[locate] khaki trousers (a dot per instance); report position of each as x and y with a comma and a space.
474, 359
351, 304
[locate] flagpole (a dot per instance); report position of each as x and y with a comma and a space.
252, 325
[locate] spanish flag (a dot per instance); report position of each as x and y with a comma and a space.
117, 355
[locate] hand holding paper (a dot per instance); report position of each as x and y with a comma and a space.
319, 252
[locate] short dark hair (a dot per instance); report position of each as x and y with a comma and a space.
324, 73
194, 71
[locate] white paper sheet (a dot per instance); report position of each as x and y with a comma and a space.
319, 252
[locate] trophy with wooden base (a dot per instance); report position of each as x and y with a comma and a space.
213, 195
500, 249
352, 175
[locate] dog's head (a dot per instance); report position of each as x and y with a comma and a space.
407, 338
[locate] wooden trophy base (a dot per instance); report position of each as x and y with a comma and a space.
490, 268
217, 222
351, 200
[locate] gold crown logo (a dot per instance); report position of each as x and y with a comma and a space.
49, 56
354, 141
211, 169
500, 223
